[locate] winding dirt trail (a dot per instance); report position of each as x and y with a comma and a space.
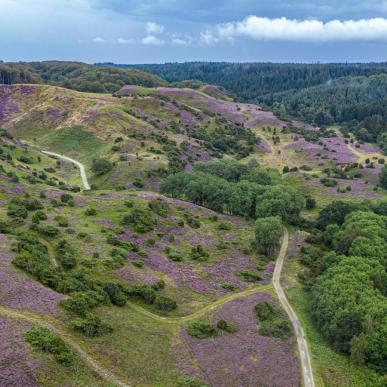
90, 362
306, 364
77, 163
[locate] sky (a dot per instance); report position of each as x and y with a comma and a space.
158, 31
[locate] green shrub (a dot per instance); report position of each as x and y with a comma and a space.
229, 287
17, 208
101, 166
226, 326
249, 276
45, 230
328, 182
91, 326
62, 221
91, 212
44, 340
272, 321
81, 302
160, 284
137, 182
165, 304
141, 220
65, 197
138, 263
224, 226
175, 257
160, 207
143, 291
65, 255
198, 253
25, 159
192, 221
202, 328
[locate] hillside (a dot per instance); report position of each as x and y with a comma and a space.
161, 273
75, 75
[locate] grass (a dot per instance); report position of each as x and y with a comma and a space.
72, 141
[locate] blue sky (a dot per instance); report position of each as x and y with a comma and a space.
145, 31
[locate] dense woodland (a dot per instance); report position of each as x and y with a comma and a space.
252, 81
359, 104
346, 262
75, 75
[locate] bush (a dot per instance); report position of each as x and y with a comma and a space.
92, 326
138, 183
141, 220
202, 329
328, 182
272, 321
226, 326
65, 197
65, 255
199, 254
81, 302
160, 207
165, 304
101, 166
192, 221
224, 226
62, 221
160, 284
138, 263
250, 276
229, 287
17, 208
44, 340
91, 212
45, 230
143, 291
310, 203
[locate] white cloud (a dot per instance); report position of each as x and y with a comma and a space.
124, 41
208, 37
154, 28
152, 40
98, 39
262, 28
181, 41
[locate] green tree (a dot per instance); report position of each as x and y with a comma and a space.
383, 177
268, 232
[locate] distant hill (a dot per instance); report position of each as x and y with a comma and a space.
357, 103
76, 76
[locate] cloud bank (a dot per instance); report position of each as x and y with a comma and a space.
263, 28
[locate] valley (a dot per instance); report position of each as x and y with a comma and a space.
148, 228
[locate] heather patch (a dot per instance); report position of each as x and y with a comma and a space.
16, 367
359, 189
339, 151
20, 292
245, 357
367, 148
